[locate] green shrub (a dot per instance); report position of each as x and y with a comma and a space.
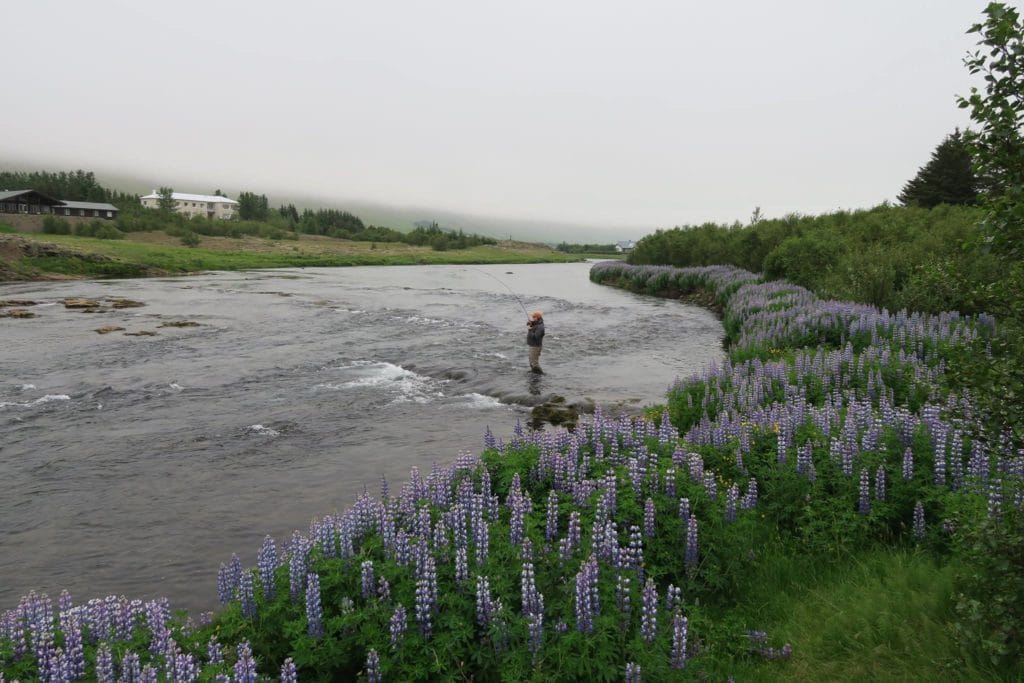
56, 226
190, 239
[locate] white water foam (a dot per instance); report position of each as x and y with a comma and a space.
39, 401
404, 385
477, 401
175, 386
26, 387
262, 431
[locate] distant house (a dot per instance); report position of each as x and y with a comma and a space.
27, 201
210, 206
32, 202
624, 246
86, 209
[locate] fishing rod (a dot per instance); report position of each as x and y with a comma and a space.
503, 284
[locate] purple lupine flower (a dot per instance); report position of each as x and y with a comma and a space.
105, 664
73, 663
246, 597
670, 482
622, 594
517, 515
908, 464
399, 622
245, 665
481, 531
691, 544
288, 672
373, 667
367, 579
649, 517
424, 607
649, 611
297, 571
157, 614
383, 589
489, 440
995, 498
185, 668
461, 566
732, 498
684, 510
864, 505
484, 603
919, 521
528, 589
266, 562
710, 485
749, 501
213, 651
131, 668
586, 595
551, 526
149, 675
440, 535
535, 628
314, 611
880, 483
224, 588
633, 673
673, 597
679, 633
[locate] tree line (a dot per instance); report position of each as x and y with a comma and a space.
255, 216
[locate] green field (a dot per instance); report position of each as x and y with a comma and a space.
142, 254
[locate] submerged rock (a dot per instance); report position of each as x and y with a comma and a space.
107, 329
125, 303
17, 313
179, 323
16, 302
556, 412
140, 333
79, 302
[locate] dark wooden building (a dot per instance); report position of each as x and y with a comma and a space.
27, 201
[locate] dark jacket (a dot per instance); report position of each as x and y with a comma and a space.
535, 333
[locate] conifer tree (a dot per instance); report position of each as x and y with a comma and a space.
946, 179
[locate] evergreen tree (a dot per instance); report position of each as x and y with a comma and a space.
947, 179
253, 207
166, 202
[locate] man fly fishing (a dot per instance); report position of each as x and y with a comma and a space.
535, 340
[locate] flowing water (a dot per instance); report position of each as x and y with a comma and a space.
136, 465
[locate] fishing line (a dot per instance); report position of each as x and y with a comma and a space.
503, 285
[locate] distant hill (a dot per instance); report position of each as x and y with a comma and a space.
373, 213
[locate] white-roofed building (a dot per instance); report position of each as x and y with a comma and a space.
209, 205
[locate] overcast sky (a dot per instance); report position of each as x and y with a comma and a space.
641, 114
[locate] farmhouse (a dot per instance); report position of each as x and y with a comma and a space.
27, 201
34, 203
86, 209
624, 246
190, 205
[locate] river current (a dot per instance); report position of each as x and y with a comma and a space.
135, 464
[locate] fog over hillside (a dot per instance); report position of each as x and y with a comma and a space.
371, 213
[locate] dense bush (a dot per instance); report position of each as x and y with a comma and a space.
889, 256
98, 229
53, 225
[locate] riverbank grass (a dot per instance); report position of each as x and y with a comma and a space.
141, 254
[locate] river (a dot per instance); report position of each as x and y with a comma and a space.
136, 465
